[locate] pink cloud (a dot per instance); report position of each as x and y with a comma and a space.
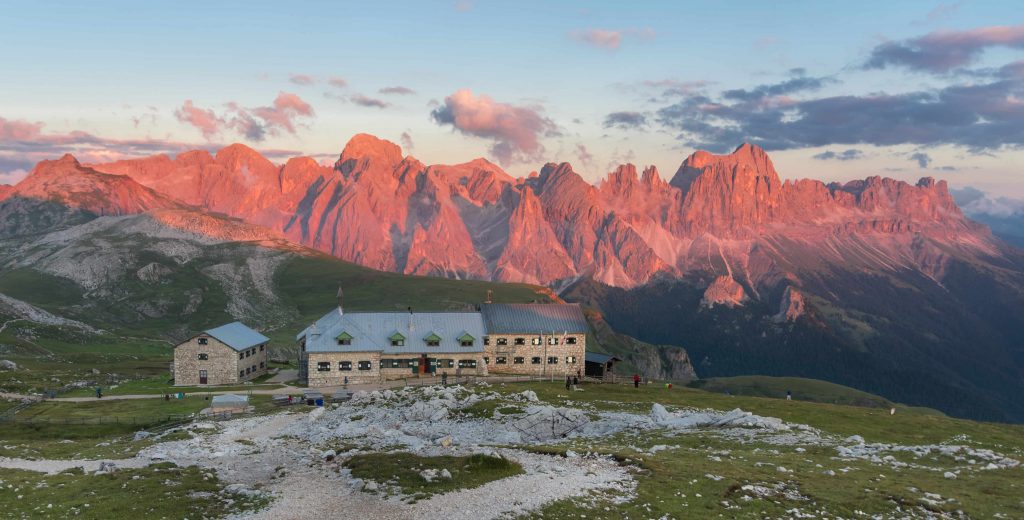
302, 79
609, 39
18, 130
204, 119
515, 130
337, 82
400, 90
365, 101
284, 114
943, 51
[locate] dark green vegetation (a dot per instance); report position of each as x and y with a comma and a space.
403, 470
159, 491
802, 390
887, 336
677, 482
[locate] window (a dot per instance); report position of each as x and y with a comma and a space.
345, 366
262, 364
344, 341
503, 341
364, 365
487, 340
344, 338
570, 359
241, 355
535, 360
445, 363
254, 368
248, 371
467, 363
501, 360
248, 353
433, 343
570, 340
241, 373
323, 366
203, 356
398, 343
466, 343
552, 340
261, 348
393, 363
203, 341
432, 340
536, 341
520, 341
487, 360
552, 360
518, 360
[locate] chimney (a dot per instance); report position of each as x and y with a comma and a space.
341, 301
410, 320
490, 296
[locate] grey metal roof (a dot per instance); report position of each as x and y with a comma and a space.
594, 357
370, 331
522, 318
237, 336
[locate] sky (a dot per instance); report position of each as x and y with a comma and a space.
833, 90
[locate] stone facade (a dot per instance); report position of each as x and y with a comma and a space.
223, 364
331, 368
566, 352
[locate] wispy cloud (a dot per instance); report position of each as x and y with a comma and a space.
337, 82
302, 79
406, 141
586, 158
847, 155
514, 130
366, 101
398, 89
287, 111
943, 51
923, 159
611, 39
625, 120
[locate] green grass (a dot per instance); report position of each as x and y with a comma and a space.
673, 483
403, 470
803, 390
159, 491
159, 385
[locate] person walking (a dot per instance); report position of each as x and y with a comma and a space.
575, 383
789, 395
636, 380
568, 382
99, 392
444, 378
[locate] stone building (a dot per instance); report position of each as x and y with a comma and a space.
365, 347
540, 339
228, 354
369, 347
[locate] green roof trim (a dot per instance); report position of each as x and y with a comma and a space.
466, 337
432, 337
344, 335
396, 336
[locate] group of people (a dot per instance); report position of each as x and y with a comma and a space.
572, 382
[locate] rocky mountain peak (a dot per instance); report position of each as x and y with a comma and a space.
366, 148
724, 291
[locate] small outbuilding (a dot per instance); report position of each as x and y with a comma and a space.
229, 354
600, 365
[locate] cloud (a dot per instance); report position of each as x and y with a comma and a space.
979, 116
848, 155
514, 130
463, 6
365, 101
586, 158
609, 39
791, 86
302, 79
976, 202
208, 123
923, 159
399, 90
943, 51
406, 141
254, 123
20, 150
625, 120
337, 82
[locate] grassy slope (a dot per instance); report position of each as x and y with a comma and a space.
802, 389
674, 483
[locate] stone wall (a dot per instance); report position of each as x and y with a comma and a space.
222, 363
569, 357
336, 377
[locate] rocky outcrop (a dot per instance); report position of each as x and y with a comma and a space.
719, 213
791, 307
724, 291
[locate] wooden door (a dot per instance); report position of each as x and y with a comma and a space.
202, 377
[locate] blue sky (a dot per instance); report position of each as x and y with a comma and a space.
523, 83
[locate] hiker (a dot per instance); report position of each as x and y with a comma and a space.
568, 382
579, 375
444, 378
636, 380
167, 397
789, 395
99, 392
344, 383
575, 382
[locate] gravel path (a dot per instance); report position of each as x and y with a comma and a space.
56, 466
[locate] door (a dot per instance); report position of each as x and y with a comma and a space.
423, 364
202, 377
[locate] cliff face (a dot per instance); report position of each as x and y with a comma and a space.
720, 215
